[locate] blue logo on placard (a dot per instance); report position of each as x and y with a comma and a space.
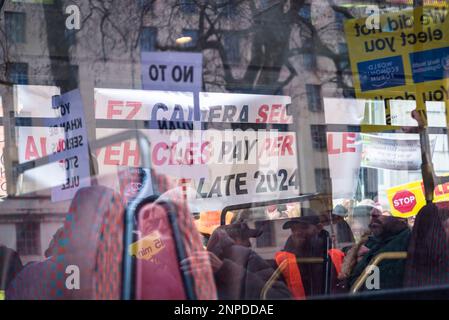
430, 65
381, 73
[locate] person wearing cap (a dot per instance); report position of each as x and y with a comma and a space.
344, 235
388, 234
308, 239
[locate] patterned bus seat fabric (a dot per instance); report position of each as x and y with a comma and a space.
90, 242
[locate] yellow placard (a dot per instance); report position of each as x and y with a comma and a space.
2, 295
405, 56
398, 206
148, 247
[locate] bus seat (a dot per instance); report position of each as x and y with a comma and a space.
428, 252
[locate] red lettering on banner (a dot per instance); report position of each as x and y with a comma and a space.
330, 145
440, 190
136, 106
205, 153
276, 114
127, 153
263, 114
348, 139
31, 149
180, 154
155, 159
110, 152
347, 143
112, 111
287, 144
115, 108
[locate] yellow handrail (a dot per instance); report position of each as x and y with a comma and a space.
280, 269
374, 262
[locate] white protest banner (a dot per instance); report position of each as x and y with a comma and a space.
229, 166
344, 154
119, 104
344, 148
71, 149
392, 153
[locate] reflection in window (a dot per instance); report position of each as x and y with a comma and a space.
314, 97
28, 238
232, 46
322, 180
193, 34
18, 73
188, 6
309, 58
15, 26
148, 39
146, 4
227, 8
305, 11
70, 36
318, 134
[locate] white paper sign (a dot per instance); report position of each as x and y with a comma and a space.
71, 150
397, 153
172, 71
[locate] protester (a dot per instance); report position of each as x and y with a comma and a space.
344, 235
428, 253
308, 239
389, 234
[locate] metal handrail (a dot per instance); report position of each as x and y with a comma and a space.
398, 255
269, 284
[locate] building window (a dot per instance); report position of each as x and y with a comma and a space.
314, 97
146, 4
193, 34
232, 46
309, 58
15, 26
148, 39
188, 6
18, 73
305, 11
318, 134
70, 36
28, 238
322, 180
227, 8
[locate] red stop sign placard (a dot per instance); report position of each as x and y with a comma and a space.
404, 201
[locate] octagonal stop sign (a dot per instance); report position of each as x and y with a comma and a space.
404, 201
